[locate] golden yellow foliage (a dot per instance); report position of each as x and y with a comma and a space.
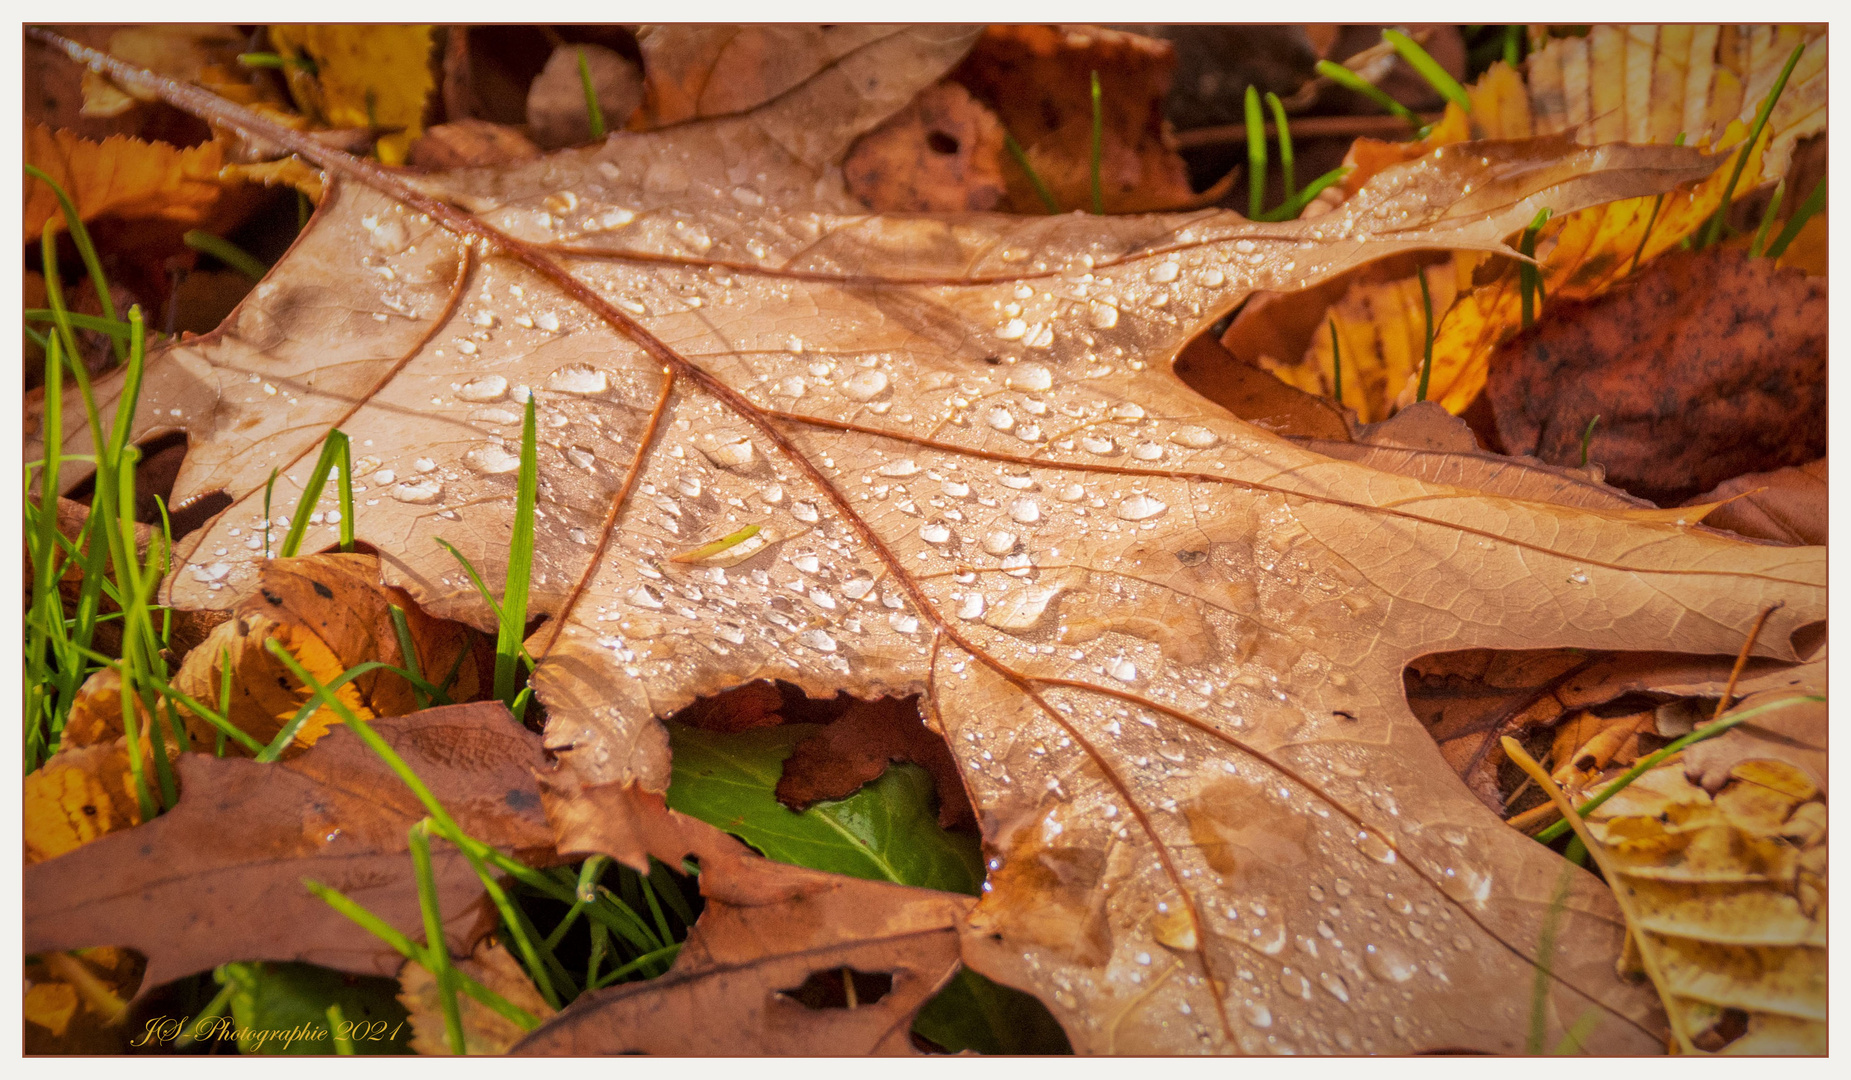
77, 796
330, 613
1725, 895
75, 1002
376, 77
1640, 84
120, 177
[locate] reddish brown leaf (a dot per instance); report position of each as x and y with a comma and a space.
1038, 79
219, 877
468, 142
1788, 505
1256, 395
756, 973
943, 152
1701, 367
857, 748
556, 112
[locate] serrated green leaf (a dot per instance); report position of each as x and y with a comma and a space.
887, 831
283, 1009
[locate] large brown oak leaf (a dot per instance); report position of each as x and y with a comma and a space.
1165, 646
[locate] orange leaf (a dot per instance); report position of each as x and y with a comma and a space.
120, 177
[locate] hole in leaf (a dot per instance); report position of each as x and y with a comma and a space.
840, 988
1808, 639
941, 143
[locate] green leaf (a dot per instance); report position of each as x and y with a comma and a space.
887, 831
271, 1002
973, 1013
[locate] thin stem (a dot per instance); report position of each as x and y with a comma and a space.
1426, 361
436, 948
1815, 202
1285, 143
1767, 220
513, 626
1349, 80
226, 252
1428, 68
1034, 178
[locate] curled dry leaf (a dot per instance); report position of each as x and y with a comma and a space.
772, 940
556, 112
858, 746
120, 177
1794, 735
1038, 79
485, 1031
1637, 84
1703, 366
1725, 895
331, 613
189, 893
1789, 504
377, 77
1165, 646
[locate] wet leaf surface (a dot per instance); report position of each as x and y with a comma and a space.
1165, 646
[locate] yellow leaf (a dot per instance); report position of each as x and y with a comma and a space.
77, 796
330, 613
120, 177
375, 77
1641, 84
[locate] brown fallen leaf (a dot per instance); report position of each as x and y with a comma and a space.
204, 54
858, 746
120, 177
1795, 735
1038, 80
942, 153
485, 1031
1701, 367
1788, 504
467, 142
1137, 620
331, 613
697, 72
556, 111
1724, 895
772, 940
1258, 396
189, 892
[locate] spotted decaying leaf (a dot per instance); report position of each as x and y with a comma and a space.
1725, 893
767, 934
1164, 645
189, 893
330, 612
1637, 84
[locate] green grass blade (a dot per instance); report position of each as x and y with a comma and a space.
332, 449
509, 647
86, 250
1034, 178
1293, 206
226, 252
1713, 230
345, 464
269, 490
592, 111
405, 947
436, 948
648, 959
1336, 363
1529, 278
1545, 953
115, 328
1767, 220
1815, 202
408, 648
1708, 731
337, 1030
1285, 143
1428, 69
1256, 156
1098, 148
216, 719
1587, 438
218, 750
1426, 357
1513, 45
1349, 80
